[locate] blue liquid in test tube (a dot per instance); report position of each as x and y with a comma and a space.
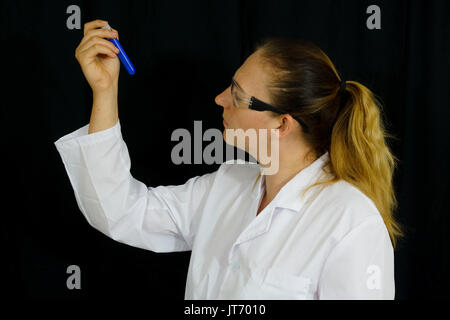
122, 55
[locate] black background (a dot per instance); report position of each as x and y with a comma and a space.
185, 53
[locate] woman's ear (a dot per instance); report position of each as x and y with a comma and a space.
285, 125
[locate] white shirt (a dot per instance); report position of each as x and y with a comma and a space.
332, 244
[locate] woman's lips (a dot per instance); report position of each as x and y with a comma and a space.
225, 123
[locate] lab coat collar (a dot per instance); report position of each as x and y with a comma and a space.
290, 195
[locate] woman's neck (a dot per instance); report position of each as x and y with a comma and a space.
289, 166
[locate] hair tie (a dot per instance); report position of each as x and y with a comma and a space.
343, 86
342, 97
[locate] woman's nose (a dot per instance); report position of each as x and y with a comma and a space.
223, 99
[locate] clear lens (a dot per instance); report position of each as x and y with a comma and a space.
238, 102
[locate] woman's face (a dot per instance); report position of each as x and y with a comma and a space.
251, 77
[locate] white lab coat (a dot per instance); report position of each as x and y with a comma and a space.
332, 244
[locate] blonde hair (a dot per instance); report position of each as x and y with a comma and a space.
347, 124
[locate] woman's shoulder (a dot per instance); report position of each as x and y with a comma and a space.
239, 169
346, 202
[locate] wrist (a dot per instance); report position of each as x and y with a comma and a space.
110, 92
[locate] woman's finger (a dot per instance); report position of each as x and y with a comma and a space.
101, 33
97, 40
94, 24
96, 49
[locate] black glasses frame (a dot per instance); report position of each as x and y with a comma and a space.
258, 105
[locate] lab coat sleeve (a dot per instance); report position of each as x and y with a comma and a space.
160, 219
361, 265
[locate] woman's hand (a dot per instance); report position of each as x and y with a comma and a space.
98, 57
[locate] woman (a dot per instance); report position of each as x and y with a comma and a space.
321, 227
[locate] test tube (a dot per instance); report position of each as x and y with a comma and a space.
122, 55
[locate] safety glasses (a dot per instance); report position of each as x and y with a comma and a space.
240, 99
